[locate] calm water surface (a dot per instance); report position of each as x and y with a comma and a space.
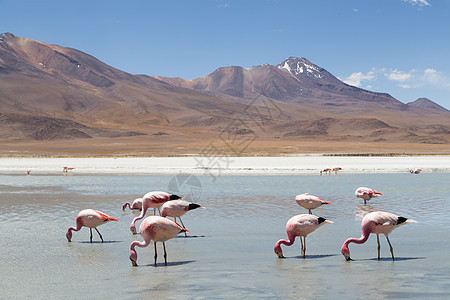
230, 251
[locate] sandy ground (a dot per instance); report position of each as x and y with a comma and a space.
215, 166
242, 146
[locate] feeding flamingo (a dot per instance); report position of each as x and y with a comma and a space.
157, 229
415, 171
152, 200
376, 222
177, 208
326, 170
366, 193
336, 169
89, 218
67, 168
137, 204
300, 225
309, 201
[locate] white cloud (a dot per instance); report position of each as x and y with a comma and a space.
436, 78
356, 78
412, 79
397, 75
420, 3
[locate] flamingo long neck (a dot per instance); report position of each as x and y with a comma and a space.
289, 242
79, 225
365, 233
126, 204
133, 254
143, 212
142, 244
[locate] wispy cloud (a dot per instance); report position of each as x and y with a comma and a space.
356, 78
420, 3
435, 78
397, 75
414, 78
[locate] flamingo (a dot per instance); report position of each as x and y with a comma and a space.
300, 225
28, 171
157, 229
366, 193
309, 201
89, 218
152, 200
336, 169
415, 171
177, 208
376, 222
137, 204
326, 170
67, 168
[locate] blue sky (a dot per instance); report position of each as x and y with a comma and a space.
401, 47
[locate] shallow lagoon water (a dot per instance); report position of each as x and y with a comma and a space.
229, 253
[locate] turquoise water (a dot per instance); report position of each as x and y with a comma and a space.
229, 253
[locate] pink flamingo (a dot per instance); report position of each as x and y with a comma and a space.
415, 171
157, 229
336, 169
376, 222
366, 193
309, 201
137, 204
326, 170
177, 208
67, 168
300, 225
152, 200
89, 218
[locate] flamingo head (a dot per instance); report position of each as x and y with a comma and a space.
133, 257
69, 235
278, 251
133, 229
194, 206
174, 197
346, 252
125, 205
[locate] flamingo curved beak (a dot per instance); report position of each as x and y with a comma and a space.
134, 263
69, 239
280, 255
347, 257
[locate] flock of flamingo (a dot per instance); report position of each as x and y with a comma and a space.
378, 222
160, 228
153, 228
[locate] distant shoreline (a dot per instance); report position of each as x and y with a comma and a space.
224, 165
375, 154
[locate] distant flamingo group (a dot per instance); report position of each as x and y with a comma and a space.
415, 171
329, 170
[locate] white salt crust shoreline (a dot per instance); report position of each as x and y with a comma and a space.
307, 164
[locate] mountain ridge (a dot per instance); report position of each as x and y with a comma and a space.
49, 92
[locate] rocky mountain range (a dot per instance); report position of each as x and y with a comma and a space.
49, 92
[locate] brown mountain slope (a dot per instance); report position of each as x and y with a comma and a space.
53, 81
49, 92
